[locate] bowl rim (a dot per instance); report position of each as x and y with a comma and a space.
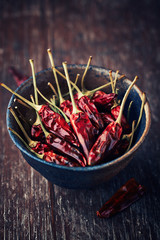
87, 168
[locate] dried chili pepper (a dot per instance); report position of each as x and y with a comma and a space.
107, 118
83, 103
103, 101
48, 155
52, 120
63, 147
52, 143
107, 141
130, 192
80, 122
36, 146
18, 77
125, 125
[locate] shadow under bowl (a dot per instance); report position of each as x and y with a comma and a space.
78, 177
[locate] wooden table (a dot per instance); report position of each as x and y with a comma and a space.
122, 35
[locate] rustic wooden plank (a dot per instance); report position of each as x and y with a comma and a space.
119, 35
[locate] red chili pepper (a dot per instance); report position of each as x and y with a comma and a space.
53, 143
61, 146
125, 125
60, 160
80, 122
66, 107
107, 141
37, 132
107, 118
130, 192
87, 106
51, 119
18, 77
103, 101
57, 125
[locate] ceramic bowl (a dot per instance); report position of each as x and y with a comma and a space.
79, 177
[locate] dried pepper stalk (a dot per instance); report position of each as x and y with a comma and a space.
80, 122
52, 120
65, 105
49, 155
36, 146
123, 198
107, 141
18, 77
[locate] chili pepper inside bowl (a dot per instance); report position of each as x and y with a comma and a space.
78, 177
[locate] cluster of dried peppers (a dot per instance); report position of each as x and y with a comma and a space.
86, 130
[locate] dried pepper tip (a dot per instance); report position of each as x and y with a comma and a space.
54, 106
31, 143
34, 81
130, 192
131, 136
61, 99
84, 74
34, 106
124, 101
53, 89
75, 109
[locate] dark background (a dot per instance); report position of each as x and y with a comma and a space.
122, 35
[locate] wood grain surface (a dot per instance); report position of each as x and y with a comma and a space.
122, 35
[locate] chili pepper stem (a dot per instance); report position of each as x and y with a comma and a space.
141, 110
84, 74
37, 122
21, 102
124, 100
61, 99
34, 106
34, 81
75, 109
111, 79
51, 103
88, 92
27, 146
53, 89
129, 110
30, 141
131, 136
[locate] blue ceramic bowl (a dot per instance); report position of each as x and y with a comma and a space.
87, 177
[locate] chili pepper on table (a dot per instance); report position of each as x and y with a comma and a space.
52, 120
18, 77
49, 155
107, 141
80, 122
130, 192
